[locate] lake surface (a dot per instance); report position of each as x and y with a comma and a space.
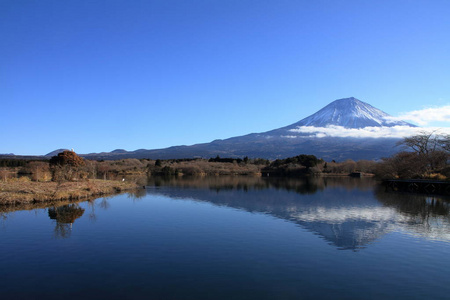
231, 238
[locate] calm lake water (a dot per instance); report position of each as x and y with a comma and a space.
231, 238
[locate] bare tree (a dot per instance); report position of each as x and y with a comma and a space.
40, 171
430, 152
426, 142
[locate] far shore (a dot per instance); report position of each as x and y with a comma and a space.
22, 191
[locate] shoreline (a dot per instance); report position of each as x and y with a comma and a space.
16, 191
22, 191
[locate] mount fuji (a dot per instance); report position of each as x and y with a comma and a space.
345, 129
349, 113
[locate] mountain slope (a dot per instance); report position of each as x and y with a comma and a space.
348, 113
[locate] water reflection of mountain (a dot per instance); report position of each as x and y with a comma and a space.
343, 211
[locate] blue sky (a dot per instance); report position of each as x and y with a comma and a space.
100, 75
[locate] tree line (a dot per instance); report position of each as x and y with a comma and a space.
424, 155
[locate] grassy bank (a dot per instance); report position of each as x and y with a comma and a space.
20, 191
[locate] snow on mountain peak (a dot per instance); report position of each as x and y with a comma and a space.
350, 113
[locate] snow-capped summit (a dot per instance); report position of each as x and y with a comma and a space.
350, 113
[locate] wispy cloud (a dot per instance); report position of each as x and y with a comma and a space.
426, 116
366, 132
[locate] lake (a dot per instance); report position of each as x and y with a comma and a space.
231, 238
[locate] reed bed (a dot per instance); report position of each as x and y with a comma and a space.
21, 191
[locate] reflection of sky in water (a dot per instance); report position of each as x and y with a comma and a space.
255, 241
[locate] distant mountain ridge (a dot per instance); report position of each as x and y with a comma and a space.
55, 152
284, 142
348, 113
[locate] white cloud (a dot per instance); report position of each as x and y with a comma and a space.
366, 132
426, 116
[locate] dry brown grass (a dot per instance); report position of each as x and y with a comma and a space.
203, 167
18, 191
